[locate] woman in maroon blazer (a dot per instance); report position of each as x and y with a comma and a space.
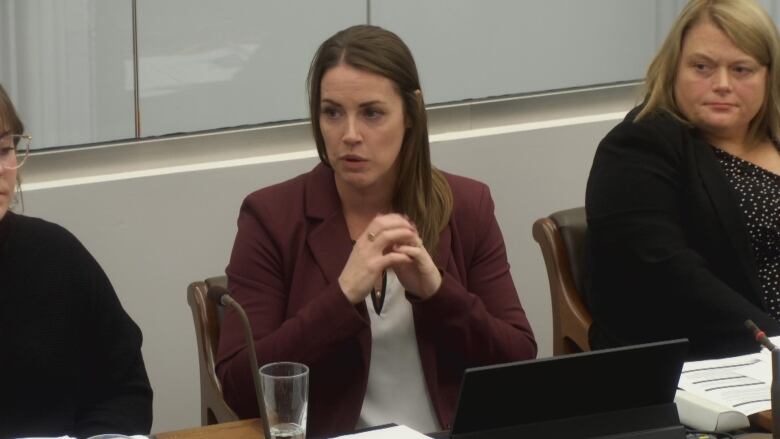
386, 276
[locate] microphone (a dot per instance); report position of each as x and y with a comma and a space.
775, 389
222, 297
760, 336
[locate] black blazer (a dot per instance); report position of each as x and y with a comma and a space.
667, 252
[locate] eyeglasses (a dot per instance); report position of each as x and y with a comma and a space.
14, 149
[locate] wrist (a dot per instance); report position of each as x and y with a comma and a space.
348, 293
433, 289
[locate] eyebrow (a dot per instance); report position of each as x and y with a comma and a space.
362, 105
710, 59
700, 55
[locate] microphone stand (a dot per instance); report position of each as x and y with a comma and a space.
222, 297
775, 393
775, 387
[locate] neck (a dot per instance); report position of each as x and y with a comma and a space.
736, 144
369, 201
361, 206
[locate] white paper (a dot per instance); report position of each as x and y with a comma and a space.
739, 383
703, 414
396, 432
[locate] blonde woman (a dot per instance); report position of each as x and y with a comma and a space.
683, 199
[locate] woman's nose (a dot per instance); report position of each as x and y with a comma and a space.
722, 80
351, 132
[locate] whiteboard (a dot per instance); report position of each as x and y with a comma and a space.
473, 49
206, 65
67, 66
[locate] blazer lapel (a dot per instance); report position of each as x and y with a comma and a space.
444, 249
727, 207
329, 237
329, 240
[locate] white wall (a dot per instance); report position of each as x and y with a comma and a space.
156, 231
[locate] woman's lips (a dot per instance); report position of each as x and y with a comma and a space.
720, 105
353, 162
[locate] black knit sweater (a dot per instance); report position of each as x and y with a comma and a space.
70, 357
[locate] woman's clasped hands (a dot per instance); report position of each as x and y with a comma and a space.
390, 241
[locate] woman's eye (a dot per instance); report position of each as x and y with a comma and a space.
372, 113
743, 70
5, 151
330, 112
701, 67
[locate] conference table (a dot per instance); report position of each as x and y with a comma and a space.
251, 428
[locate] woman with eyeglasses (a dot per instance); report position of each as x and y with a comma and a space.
71, 356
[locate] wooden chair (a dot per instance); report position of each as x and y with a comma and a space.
561, 237
208, 319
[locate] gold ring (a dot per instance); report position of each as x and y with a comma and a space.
371, 237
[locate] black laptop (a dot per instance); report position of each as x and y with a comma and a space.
624, 392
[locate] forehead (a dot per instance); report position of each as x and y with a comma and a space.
346, 82
707, 39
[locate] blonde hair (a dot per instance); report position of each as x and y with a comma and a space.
421, 191
750, 28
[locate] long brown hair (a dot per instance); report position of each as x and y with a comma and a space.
421, 191
750, 28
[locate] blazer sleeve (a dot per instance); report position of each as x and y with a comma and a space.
259, 277
647, 282
481, 319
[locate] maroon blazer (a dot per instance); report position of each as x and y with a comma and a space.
291, 246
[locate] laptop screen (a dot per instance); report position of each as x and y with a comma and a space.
568, 385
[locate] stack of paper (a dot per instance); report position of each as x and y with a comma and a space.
718, 395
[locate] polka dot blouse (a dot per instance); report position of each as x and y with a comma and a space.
758, 191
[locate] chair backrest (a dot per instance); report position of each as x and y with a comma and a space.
207, 316
561, 237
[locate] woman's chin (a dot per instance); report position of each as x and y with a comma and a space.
356, 181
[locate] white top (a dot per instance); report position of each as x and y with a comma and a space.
396, 391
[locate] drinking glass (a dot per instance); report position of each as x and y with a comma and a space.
285, 388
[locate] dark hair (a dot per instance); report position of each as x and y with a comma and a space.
421, 192
9, 120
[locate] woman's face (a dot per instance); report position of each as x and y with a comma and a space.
718, 87
7, 176
362, 122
